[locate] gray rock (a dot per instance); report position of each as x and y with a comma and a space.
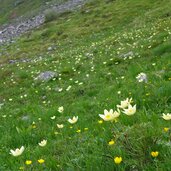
126, 55
46, 76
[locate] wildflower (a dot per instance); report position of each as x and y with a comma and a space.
100, 121
154, 153
125, 103
60, 126
119, 92
142, 77
33, 125
166, 116
28, 162
130, 111
41, 161
61, 109
78, 131
53, 117
118, 160
43, 143
21, 168
166, 129
17, 152
111, 142
109, 115
73, 120
69, 87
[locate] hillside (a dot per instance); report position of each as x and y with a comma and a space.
13, 9
95, 55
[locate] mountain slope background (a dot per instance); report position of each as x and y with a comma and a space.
13, 9
97, 52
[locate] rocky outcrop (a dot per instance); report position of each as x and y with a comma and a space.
8, 33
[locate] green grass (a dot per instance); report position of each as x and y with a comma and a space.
88, 48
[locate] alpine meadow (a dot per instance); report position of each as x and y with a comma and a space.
87, 88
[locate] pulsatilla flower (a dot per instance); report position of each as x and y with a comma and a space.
125, 103
110, 115
73, 120
43, 143
17, 152
166, 116
130, 111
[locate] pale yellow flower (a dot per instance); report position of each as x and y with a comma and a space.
73, 120
166, 116
43, 143
53, 117
61, 109
17, 152
109, 115
130, 111
125, 103
60, 126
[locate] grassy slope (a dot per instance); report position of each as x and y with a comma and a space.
11, 9
90, 41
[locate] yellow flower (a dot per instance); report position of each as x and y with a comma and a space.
100, 121
166, 129
41, 161
111, 142
118, 160
85, 129
21, 168
154, 153
78, 131
28, 162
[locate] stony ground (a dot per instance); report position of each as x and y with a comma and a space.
9, 32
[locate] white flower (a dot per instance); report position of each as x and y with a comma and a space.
17, 152
73, 120
61, 109
110, 115
142, 77
43, 143
125, 103
69, 87
130, 111
60, 126
166, 116
53, 117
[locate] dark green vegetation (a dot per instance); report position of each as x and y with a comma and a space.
98, 51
